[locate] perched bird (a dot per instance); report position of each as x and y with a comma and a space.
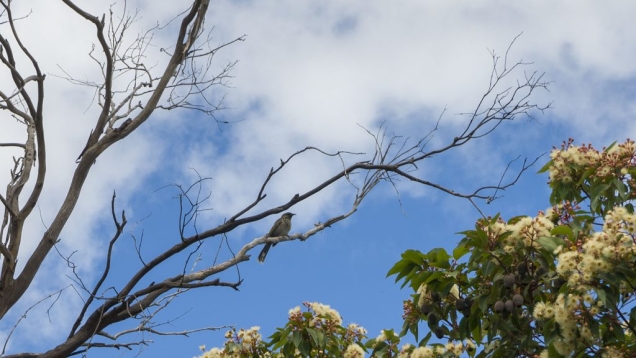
280, 228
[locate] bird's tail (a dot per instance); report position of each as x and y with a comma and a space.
263, 254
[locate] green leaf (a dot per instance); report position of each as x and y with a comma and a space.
621, 188
632, 317
408, 277
274, 338
444, 290
433, 276
549, 331
593, 325
297, 337
305, 348
488, 267
379, 350
612, 278
438, 257
562, 230
282, 336
550, 243
414, 256
546, 167
481, 239
409, 259
289, 350
586, 174
317, 336
596, 195
414, 329
398, 267
602, 296
618, 331
515, 219
460, 251
405, 328
606, 296
464, 330
552, 352
426, 338
483, 302
408, 270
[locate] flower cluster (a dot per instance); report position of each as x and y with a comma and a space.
411, 313
324, 314
212, 353
249, 337
598, 252
426, 296
354, 351
409, 351
620, 221
570, 312
521, 233
318, 320
380, 338
355, 333
582, 264
319, 316
450, 349
569, 162
245, 342
526, 231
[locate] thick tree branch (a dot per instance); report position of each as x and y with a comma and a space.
182, 84
189, 29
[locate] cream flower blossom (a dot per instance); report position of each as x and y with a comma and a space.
454, 291
423, 352
294, 311
355, 328
354, 351
422, 291
381, 337
326, 312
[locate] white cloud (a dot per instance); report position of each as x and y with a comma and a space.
309, 74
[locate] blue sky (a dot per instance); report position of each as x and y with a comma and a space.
312, 73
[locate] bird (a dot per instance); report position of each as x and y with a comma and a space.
281, 227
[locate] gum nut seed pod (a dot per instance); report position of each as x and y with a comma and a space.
432, 318
499, 306
509, 306
509, 280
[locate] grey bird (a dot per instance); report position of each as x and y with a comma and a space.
281, 227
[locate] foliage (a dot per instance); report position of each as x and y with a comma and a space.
560, 284
317, 332
142, 67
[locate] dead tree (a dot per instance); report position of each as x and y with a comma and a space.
181, 84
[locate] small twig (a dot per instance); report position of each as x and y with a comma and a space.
24, 315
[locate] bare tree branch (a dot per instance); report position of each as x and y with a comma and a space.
128, 92
55, 294
119, 229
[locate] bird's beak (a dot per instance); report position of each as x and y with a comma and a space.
292, 214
